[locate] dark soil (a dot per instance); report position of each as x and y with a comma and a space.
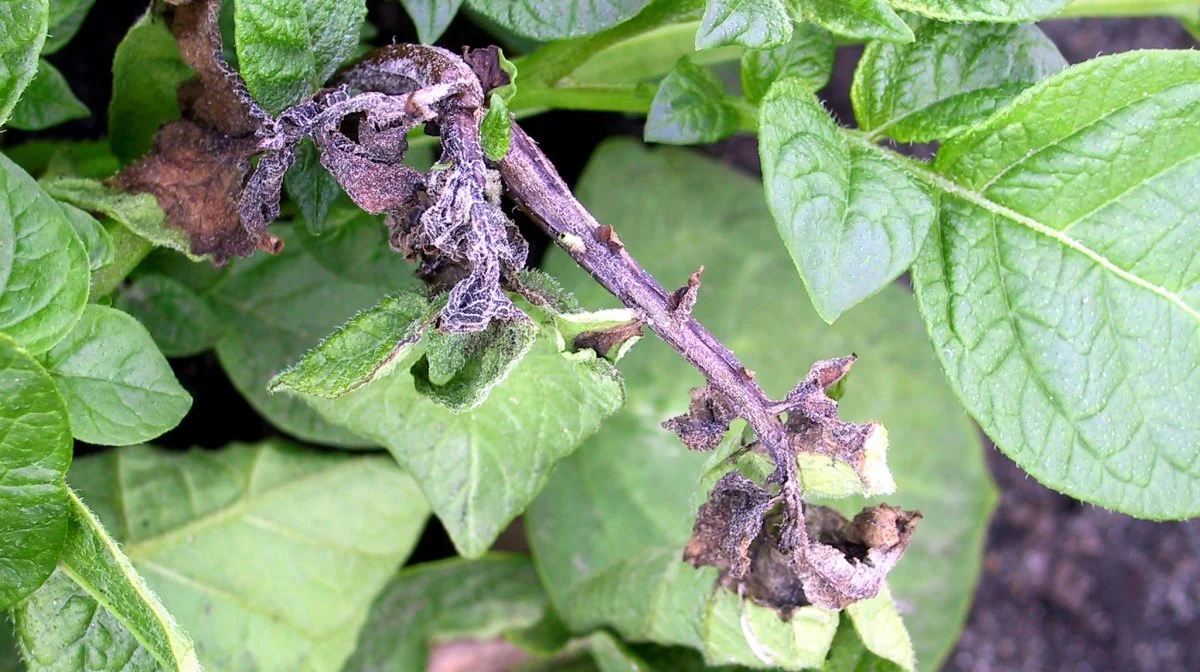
1065, 586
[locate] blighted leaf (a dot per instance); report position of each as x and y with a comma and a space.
431, 17
608, 333
480, 468
707, 420
66, 16
583, 534
35, 451
23, 25
852, 220
47, 101
952, 76
311, 186
443, 602
118, 386
808, 55
95, 238
690, 107
458, 371
96, 607
1008, 11
756, 24
178, 319
363, 349
139, 213
858, 19
44, 282
317, 536
147, 69
1060, 308
546, 20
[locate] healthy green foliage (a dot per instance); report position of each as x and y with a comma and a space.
690, 107
56, 158
286, 49
807, 56
354, 248
316, 535
954, 75
1057, 287
852, 219
35, 451
95, 238
857, 19
66, 16
431, 17
458, 599
118, 387
756, 24
23, 24
43, 265
47, 101
496, 129
179, 320
983, 10
125, 628
627, 494
557, 19
147, 69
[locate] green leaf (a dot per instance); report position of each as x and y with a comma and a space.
178, 319
458, 371
479, 469
755, 24
275, 309
23, 24
118, 386
366, 348
35, 451
139, 213
314, 536
286, 49
849, 654
446, 601
953, 76
431, 17
97, 608
73, 158
147, 69
66, 16
881, 629
43, 266
857, 19
312, 187
547, 20
95, 238
496, 130
808, 56
47, 101
690, 107
851, 220
354, 247
1009, 11
1057, 288
628, 491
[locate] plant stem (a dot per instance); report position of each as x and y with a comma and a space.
536, 186
1184, 9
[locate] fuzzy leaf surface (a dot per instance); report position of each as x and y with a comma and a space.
180, 321
47, 101
755, 24
318, 535
117, 385
992, 11
546, 20
35, 451
857, 19
627, 493
851, 220
1058, 287
951, 77
23, 25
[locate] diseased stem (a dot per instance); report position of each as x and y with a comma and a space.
536, 186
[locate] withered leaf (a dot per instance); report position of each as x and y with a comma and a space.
728, 523
847, 561
707, 420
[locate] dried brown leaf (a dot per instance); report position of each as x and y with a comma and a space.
707, 420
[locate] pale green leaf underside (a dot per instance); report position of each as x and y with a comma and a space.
546, 20
858, 19
269, 556
35, 451
180, 322
755, 24
1060, 288
147, 69
43, 265
1010, 11
881, 629
629, 489
690, 107
139, 213
95, 238
851, 220
97, 608
808, 55
431, 17
458, 599
23, 25
480, 468
951, 77
47, 101
118, 386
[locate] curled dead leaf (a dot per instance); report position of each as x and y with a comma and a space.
707, 420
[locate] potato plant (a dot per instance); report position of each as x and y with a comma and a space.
726, 435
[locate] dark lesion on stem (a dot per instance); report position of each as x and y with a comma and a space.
450, 221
